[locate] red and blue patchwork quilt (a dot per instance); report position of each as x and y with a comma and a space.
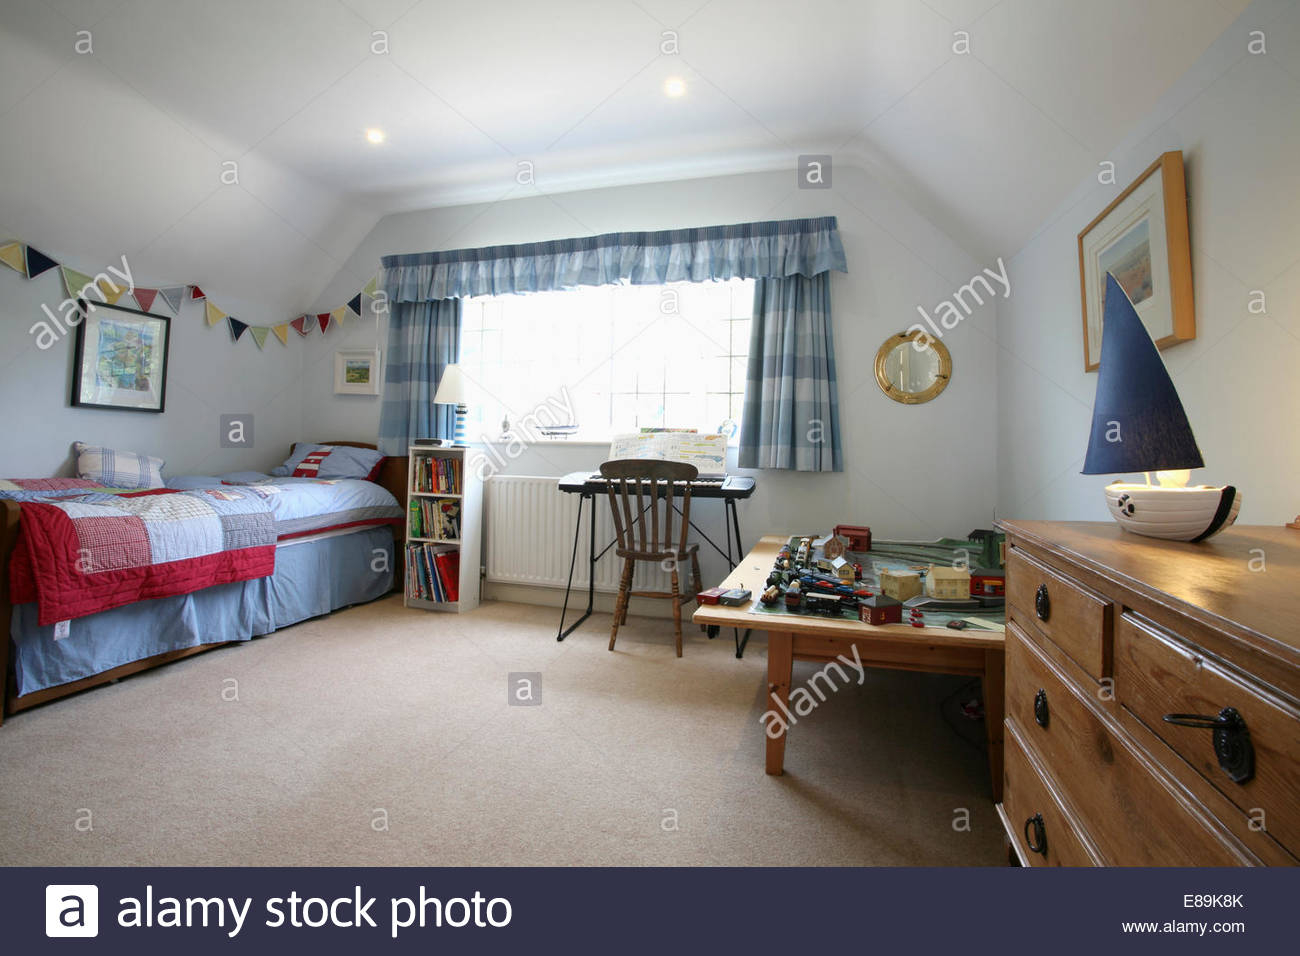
81, 550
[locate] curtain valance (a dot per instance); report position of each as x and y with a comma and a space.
752, 250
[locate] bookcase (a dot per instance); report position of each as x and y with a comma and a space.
443, 523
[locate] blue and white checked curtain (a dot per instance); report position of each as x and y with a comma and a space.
791, 418
423, 339
791, 328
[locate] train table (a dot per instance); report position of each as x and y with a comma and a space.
933, 647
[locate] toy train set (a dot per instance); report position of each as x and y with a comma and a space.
822, 581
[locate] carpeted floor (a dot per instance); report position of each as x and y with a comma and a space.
382, 736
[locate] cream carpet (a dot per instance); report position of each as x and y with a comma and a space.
383, 736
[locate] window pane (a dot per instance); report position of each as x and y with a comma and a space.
623, 357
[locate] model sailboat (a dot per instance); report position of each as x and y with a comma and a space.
1138, 425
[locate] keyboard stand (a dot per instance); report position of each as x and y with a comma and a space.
589, 487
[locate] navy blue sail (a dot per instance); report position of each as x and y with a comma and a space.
1138, 422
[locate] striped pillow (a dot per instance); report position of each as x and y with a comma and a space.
118, 469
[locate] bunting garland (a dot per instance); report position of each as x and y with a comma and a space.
144, 298
31, 262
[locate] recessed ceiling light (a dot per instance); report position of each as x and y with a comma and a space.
675, 86
375, 136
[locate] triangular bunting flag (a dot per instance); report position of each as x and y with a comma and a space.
11, 254
38, 262
324, 319
172, 296
259, 334
196, 293
339, 314
111, 292
145, 298
300, 324
214, 314
237, 328
371, 287
75, 282
355, 303
281, 332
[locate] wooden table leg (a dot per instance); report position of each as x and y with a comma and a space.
780, 667
994, 707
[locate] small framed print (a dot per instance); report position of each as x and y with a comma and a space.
120, 359
356, 372
1142, 239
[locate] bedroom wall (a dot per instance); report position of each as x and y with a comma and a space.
208, 375
1234, 117
916, 472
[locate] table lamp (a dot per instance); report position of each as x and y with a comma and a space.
1138, 424
453, 389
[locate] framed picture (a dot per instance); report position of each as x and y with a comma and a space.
120, 359
356, 372
1141, 238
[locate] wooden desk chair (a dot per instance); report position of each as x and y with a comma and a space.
638, 486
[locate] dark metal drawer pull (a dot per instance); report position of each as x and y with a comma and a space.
1042, 603
1038, 842
1041, 714
1232, 746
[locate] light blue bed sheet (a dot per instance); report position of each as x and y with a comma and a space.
312, 577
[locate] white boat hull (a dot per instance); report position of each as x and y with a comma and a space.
1176, 514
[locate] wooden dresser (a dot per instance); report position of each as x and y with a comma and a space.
1152, 697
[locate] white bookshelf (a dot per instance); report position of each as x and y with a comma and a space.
465, 496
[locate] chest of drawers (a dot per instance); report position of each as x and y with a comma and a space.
1152, 697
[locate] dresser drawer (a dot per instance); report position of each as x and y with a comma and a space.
1133, 817
1157, 674
1066, 613
1032, 813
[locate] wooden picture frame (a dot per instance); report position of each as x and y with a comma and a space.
120, 358
356, 372
1143, 238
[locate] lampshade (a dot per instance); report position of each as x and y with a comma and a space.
453, 387
1138, 422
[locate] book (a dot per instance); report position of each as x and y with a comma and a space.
708, 453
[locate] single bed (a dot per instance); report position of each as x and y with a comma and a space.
355, 558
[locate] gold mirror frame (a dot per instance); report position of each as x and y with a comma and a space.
913, 398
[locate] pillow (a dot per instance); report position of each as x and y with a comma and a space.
117, 469
330, 461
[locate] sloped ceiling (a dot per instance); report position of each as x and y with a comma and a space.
121, 150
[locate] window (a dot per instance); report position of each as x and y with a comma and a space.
619, 358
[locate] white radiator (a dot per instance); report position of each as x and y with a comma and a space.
529, 536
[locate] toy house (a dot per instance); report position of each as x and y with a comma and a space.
947, 583
843, 570
857, 538
880, 609
988, 582
900, 585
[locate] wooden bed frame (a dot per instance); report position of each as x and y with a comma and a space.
392, 476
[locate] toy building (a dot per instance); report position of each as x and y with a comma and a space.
900, 585
880, 609
988, 582
947, 583
857, 538
843, 570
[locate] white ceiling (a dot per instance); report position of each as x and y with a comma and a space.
122, 148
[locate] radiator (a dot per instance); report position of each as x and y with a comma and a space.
528, 525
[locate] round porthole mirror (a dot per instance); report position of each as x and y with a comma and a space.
912, 367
